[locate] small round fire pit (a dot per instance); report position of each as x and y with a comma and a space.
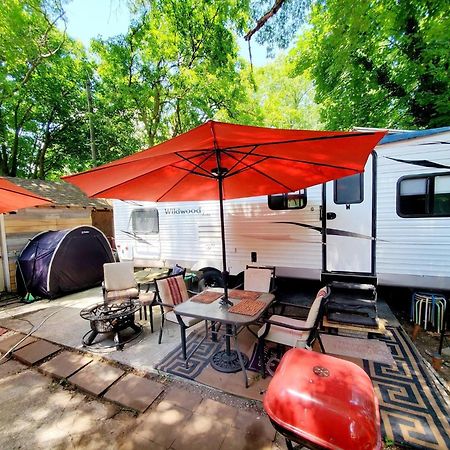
111, 318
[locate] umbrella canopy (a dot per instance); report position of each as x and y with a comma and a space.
13, 197
223, 161
251, 161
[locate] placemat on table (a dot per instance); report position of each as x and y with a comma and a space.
243, 295
206, 297
247, 307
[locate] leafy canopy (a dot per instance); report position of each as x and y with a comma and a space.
382, 63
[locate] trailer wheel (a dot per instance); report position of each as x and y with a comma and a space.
211, 278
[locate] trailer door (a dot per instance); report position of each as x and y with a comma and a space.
349, 218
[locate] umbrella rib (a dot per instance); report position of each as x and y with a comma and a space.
144, 174
265, 175
245, 155
206, 173
193, 172
180, 180
280, 158
247, 166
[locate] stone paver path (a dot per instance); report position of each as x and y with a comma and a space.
65, 364
172, 417
8, 342
96, 377
134, 392
35, 352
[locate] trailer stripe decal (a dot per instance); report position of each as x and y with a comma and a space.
330, 231
420, 162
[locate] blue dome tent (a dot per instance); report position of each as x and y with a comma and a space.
56, 263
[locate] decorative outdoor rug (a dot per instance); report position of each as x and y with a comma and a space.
413, 412
270, 356
175, 364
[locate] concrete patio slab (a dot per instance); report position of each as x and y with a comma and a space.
201, 431
163, 424
10, 341
35, 352
65, 364
235, 439
253, 424
67, 310
134, 392
222, 413
96, 377
182, 398
11, 367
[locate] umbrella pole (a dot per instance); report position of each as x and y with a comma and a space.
225, 300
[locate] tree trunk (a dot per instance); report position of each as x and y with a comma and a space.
91, 123
4, 161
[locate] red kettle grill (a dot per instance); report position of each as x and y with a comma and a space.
323, 402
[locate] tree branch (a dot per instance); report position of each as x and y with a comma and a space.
262, 21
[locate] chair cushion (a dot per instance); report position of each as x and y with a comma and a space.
257, 279
119, 276
172, 290
122, 294
188, 321
314, 311
146, 298
286, 336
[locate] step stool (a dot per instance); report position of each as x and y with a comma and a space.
428, 307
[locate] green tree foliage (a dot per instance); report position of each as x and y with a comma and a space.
285, 100
41, 96
176, 67
382, 63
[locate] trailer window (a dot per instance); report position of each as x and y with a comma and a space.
291, 200
349, 190
424, 196
145, 221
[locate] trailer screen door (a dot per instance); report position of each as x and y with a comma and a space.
349, 214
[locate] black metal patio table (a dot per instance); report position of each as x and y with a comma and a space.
227, 360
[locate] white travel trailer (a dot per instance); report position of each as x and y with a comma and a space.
391, 223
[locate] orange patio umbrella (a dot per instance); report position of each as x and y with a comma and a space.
223, 161
14, 197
